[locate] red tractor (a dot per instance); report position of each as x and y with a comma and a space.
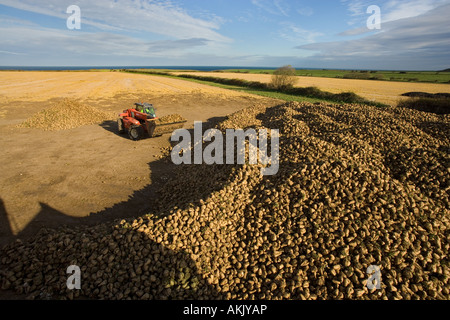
141, 121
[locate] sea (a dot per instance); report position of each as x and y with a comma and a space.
69, 68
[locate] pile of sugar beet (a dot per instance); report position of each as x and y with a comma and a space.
358, 186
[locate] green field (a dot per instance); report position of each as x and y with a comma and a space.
401, 76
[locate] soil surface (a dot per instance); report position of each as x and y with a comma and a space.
90, 174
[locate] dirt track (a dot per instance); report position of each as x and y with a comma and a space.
54, 178
381, 91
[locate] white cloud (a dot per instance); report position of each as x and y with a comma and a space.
275, 7
391, 10
12, 21
305, 11
64, 43
13, 53
158, 17
356, 7
355, 32
282, 7
397, 10
420, 39
294, 33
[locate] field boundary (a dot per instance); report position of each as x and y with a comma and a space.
309, 94
439, 77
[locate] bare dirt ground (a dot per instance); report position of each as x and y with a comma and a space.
90, 174
381, 91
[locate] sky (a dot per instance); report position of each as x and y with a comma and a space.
340, 34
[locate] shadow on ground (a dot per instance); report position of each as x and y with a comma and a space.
111, 126
170, 284
139, 203
154, 273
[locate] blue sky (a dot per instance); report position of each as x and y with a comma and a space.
414, 34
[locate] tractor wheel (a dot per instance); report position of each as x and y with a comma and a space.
135, 132
120, 126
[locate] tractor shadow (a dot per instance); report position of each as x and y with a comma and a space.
111, 126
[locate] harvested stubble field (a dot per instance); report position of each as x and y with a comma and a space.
357, 186
42, 86
380, 91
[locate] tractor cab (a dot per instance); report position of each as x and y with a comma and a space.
146, 108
